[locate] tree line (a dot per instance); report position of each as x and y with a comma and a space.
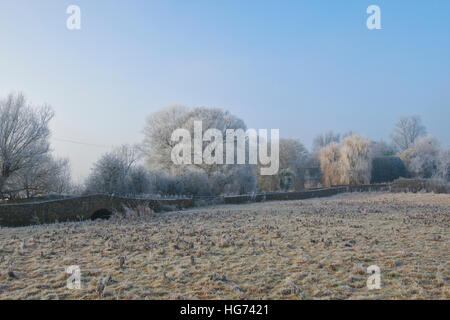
28, 168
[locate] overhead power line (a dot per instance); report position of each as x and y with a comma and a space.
82, 143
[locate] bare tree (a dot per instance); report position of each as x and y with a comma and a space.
325, 139
406, 131
381, 149
24, 136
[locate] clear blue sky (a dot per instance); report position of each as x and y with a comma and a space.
302, 66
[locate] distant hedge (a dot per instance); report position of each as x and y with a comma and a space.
417, 185
387, 169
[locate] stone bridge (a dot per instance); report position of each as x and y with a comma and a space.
78, 208
102, 206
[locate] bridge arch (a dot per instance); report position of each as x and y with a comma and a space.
103, 214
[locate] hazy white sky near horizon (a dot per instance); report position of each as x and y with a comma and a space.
304, 67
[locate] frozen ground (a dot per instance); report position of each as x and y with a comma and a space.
309, 249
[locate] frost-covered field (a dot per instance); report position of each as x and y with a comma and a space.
310, 249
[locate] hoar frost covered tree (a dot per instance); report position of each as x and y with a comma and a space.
421, 158
330, 164
50, 176
406, 131
356, 160
346, 164
323, 140
117, 172
291, 175
26, 165
443, 165
158, 146
382, 149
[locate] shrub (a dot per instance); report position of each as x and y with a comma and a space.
387, 169
287, 178
420, 185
